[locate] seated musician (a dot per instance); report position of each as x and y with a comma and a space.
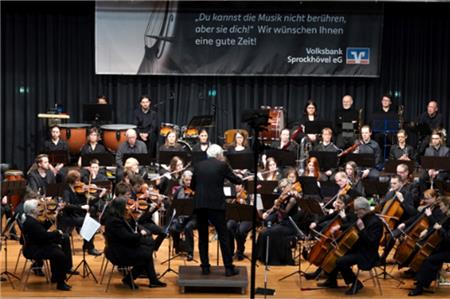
312, 169
239, 144
270, 172
430, 120
327, 146
77, 203
203, 141
346, 188
430, 267
402, 150
407, 204
92, 174
41, 244
40, 175
128, 245
56, 144
130, 146
436, 149
277, 235
171, 144
184, 223
364, 252
351, 170
408, 184
285, 142
369, 146
92, 146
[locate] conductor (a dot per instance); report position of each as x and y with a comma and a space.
209, 205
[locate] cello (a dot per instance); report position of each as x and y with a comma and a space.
392, 211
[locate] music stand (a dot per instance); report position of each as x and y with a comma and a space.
391, 165
143, 159
265, 187
56, 157
283, 157
197, 157
55, 189
375, 188
240, 160
316, 127
327, 160
309, 185
239, 213
201, 121
328, 188
166, 156
362, 160
385, 124
105, 159
166, 232
441, 163
310, 206
97, 112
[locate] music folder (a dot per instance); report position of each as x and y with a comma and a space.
327, 160
183, 207
282, 157
241, 160
441, 163
143, 159
316, 127
105, 159
391, 165
362, 160
309, 185
166, 156
239, 212
263, 187
375, 187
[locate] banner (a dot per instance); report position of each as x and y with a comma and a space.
238, 38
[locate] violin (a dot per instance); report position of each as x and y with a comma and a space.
241, 197
81, 187
48, 208
188, 191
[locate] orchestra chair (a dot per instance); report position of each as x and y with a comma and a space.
126, 271
26, 272
373, 275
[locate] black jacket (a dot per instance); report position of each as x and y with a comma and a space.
37, 237
208, 181
369, 240
36, 182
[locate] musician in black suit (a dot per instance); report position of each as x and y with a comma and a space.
40, 244
209, 204
364, 252
128, 245
433, 263
147, 124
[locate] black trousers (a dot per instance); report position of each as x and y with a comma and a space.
67, 223
238, 231
217, 218
431, 266
343, 265
188, 226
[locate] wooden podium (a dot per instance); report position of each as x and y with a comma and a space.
53, 119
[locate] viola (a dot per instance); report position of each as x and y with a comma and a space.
81, 187
241, 197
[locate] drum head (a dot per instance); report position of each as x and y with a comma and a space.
185, 145
12, 172
74, 125
117, 127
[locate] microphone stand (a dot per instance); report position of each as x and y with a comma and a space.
266, 291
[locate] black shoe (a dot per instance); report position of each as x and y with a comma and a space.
190, 257
72, 272
239, 256
62, 286
231, 271
128, 282
409, 273
312, 275
416, 292
354, 288
94, 252
206, 270
38, 272
157, 284
332, 284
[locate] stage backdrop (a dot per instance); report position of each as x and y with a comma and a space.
185, 38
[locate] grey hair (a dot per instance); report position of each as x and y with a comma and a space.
186, 174
215, 151
131, 132
30, 208
361, 203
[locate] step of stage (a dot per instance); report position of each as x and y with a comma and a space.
191, 278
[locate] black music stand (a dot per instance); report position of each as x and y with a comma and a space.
327, 160
385, 124
239, 213
283, 157
375, 188
10, 188
264, 187
328, 188
85, 266
97, 112
198, 156
441, 163
56, 157
166, 232
362, 160
201, 121
310, 206
55, 189
309, 185
166, 156
316, 127
143, 159
391, 165
241, 160
105, 159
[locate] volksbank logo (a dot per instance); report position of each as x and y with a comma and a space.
358, 56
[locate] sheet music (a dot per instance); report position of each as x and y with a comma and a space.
89, 228
227, 190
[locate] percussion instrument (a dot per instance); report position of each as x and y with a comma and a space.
114, 135
276, 123
190, 133
186, 146
165, 128
10, 176
75, 135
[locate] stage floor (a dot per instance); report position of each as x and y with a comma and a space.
288, 288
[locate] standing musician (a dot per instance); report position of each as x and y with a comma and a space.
369, 146
326, 145
147, 124
433, 263
278, 234
270, 172
436, 149
203, 141
184, 223
40, 244
309, 114
209, 205
40, 175
346, 123
92, 146
432, 120
364, 252
56, 144
128, 245
385, 112
401, 150
77, 204
130, 146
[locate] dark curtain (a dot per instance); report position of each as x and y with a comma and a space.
48, 57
